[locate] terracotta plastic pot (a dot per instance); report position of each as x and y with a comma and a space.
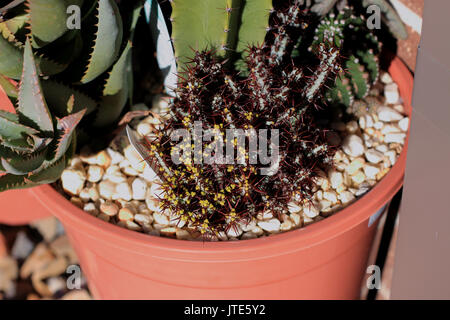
326, 260
18, 207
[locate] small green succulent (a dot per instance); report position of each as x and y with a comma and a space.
34, 146
69, 77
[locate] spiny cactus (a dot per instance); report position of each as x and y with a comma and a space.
277, 97
34, 146
226, 26
66, 75
389, 17
359, 45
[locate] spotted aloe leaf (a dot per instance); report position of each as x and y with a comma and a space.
32, 108
115, 92
108, 40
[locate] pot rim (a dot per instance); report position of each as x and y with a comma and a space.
307, 236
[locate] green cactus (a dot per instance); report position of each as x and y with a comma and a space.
226, 26
33, 144
358, 45
390, 17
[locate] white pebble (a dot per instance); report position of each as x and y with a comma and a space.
404, 124
391, 93
387, 114
130, 171
395, 138
374, 156
330, 196
382, 148
106, 189
353, 146
116, 157
95, 173
386, 78
139, 187
272, 225
247, 226
311, 210
73, 181
371, 171
392, 155
324, 205
123, 191
91, 208
161, 218
378, 125
294, 207
336, 178
144, 129
389, 128
135, 159
234, 231
346, 197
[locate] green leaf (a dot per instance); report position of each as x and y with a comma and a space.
8, 87
10, 182
32, 107
115, 91
116, 80
11, 129
107, 42
57, 95
66, 127
13, 25
48, 19
23, 164
49, 173
11, 60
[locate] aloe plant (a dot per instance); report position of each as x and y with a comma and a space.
34, 146
68, 79
73, 62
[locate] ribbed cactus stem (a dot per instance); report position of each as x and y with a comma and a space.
328, 65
